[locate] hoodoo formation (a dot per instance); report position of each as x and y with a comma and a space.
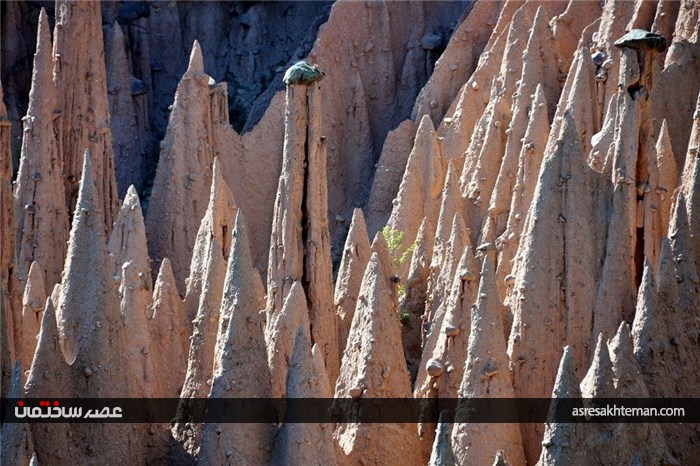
454, 204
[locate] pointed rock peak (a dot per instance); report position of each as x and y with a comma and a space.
86, 284
196, 64
663, 143
128, 243
598, 382
165, 277
131, 200
88, 204
302, 379
425, 129
566, 384
33, 301
118, 34
326, 391
539, 100
646, 327
41, 96
450, 205
295, 301
240, 260
621, 344
357, 234
381, 248
35, 280
221, 201
43, 37
459, 232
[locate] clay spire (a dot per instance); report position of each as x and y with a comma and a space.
92, 359
128, 107
40, 207
387, 176
647, 440
200, 360
318, 268
169, 334
132, 270
374, 367
537, 296
127, 243
240, 353
562, 443
216, 224
33, 301
184, 175
282, 332
453, 341
86, 260
487, 376
539, 70
80, 78
436, 309
421, 186
529, 162
304, 443
658, 193
599, 380
352, 266
17, 444
605, 441
240, 274
450, 205
300, 240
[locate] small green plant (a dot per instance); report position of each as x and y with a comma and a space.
399, 255
399, 252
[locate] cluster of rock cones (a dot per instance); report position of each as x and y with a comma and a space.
532, 231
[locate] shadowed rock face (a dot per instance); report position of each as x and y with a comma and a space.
534, 212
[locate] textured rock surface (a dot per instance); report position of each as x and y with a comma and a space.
240, 353
80, 78
373, 366
40, 208
531, 190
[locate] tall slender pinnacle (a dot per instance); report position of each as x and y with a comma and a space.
352, 266
281, 337
300, 239
562, 444
80, 78
87, 249
304, 443
240, 352
40, 208
217, 222
197, 128
374, 367
421, 186
486, 375
169, 332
